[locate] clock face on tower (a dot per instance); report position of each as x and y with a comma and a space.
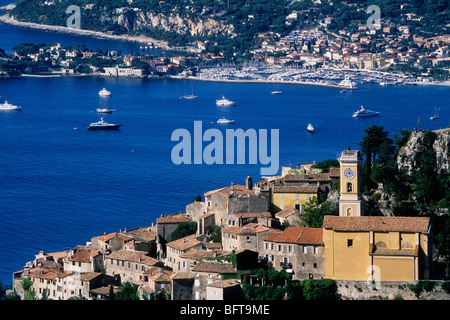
349, 173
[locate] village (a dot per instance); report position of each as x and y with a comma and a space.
239, 229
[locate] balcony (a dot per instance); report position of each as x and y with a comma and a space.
286, 265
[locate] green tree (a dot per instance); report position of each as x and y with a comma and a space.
321, 289
111, 295
184, 229
314, 212
129, 291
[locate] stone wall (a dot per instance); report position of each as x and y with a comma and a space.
361, 290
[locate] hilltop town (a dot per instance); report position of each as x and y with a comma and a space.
245, 241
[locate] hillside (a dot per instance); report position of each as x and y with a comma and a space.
232, 23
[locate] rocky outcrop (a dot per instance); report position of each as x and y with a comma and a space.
174, 23
410, 156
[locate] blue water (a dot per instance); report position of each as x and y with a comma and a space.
59, 186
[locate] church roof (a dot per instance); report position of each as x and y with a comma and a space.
380, 224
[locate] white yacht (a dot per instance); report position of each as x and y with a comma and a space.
105, 109
104, 92
348, 84
9, 106
224, 121
435, 116
225, 102
103, 125
310, 128
277, 92
365, 113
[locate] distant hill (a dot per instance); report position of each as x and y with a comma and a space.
232, 23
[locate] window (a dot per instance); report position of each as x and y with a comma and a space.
316, 250
308, 196
280, 248
290, 249
305, 249
349, 243
209, 203
297, 197
315, 266
349, 187
281, 196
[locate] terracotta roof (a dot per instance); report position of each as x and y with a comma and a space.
250, 228
144, 234
107, 237
297, 235
335, 172
237, 189
174, 218
245, 215
206, 215
133, 256
213, 267
184, 243
182, 275
88, 276
228, 283
195, 254
313, 177
159, 274
286, 213
295, 189
80, 256
382, 224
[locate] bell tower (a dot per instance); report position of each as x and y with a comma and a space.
351, 202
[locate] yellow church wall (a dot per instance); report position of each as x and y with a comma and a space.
288, 200
394, 268
356, 262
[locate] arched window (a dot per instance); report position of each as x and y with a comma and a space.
349, 187
380, 244
407, 245
349, 212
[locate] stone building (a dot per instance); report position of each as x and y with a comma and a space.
229, 289
178, 247
206, 273
298, 250
130, 265
165, 226
248, 237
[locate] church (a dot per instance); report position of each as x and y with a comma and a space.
378, 248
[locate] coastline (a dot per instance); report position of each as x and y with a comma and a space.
6, 19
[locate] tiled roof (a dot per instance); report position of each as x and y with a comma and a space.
225, 283
248, 229
311, 177
133, 256
107, 237
184, 243
295, 189
246, 215
158, 274
297, 235
174, 218
80, 256
88, 276
335, 172
206, 215
286, 213
144, 234
381, 224
213, 267
225, 192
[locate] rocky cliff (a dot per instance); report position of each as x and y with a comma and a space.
410, 156
173, 23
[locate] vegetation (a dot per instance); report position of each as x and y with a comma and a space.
422, 285
314, 212
129, 291
184, 229
326, 165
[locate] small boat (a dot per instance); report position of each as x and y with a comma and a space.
310, 128
104, 92
225, 102
277, 92
8, 106
224, 121
435, 116
190, 96
103, 125
105, 109
364, 113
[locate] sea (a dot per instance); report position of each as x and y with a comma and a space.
61, 184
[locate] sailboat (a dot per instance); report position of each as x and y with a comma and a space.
105, 109
277, 91
190, 96
435, 116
